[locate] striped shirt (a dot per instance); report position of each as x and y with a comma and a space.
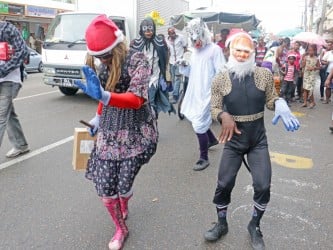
290, 73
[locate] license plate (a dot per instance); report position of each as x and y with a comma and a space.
67, 82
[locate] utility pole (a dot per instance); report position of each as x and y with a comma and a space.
306, 15
311, 5
323, 17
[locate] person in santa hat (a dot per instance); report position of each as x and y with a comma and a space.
239, 95
125, 124
206, 60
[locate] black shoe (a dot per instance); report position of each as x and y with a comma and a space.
331, 128
213, 143
201, 165
257, 242
220, 229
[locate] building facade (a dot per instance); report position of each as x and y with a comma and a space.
33, 16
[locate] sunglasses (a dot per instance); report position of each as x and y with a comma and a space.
105, 56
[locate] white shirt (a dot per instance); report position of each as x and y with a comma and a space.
153, 62
176, 48
328, 57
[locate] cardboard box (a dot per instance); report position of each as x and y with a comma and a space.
83, 144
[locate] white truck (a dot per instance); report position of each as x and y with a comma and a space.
64, 49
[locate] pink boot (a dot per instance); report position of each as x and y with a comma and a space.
124, 205
113, 206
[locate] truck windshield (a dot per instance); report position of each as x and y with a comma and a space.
69, 28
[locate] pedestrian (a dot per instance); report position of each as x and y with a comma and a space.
295, 50
311, 67
206, 60
329, 84
260, 51
223, 35
177, 45
156, 51
299, 85
290, 76
327, 59
124, 124
32, 41
239, 94
10, 84
270, 59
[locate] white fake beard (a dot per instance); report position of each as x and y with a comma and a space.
241, 69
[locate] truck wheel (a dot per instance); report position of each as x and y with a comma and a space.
68, 91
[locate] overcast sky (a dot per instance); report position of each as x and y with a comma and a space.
275, 15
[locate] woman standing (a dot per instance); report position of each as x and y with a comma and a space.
125, 124
311, 68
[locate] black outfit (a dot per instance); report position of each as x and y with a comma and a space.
245, 99
157, 97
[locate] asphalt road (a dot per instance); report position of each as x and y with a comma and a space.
45, 204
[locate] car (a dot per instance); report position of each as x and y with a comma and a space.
35, 61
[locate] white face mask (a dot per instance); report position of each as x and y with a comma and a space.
198, 33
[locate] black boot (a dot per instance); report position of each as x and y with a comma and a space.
257, 241
220, 229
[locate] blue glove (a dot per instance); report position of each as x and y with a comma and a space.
282, 111
93, 87
94, 122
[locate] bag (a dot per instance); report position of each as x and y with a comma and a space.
82, 147
6, 51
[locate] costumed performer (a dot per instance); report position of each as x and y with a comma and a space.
156, 50
206, 60
239, 95
125, 124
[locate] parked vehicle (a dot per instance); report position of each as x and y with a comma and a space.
64, 48
35, 61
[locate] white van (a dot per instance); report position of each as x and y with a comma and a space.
64, 49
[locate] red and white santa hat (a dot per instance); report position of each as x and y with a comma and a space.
102, 35
240, 39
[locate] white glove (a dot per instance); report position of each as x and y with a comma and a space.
94, 122
282, 111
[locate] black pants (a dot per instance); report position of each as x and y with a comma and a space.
287, 89
253, 143
299, 86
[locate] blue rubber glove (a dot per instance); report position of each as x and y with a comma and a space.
94, 122
93, 87
282, 111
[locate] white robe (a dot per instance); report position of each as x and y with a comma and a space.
205, 64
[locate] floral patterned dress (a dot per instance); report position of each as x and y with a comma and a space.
126, 138
310, 77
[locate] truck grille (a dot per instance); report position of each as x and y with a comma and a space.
68, 72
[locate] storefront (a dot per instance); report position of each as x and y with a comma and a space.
30, 19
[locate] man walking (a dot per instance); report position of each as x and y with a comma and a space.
14, 50
177, 46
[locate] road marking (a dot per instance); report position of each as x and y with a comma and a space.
299, 183
35, 152
31, 96
298, 114
291, 161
